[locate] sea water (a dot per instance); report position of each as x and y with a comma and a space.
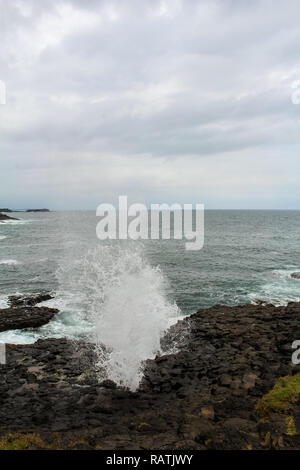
125, 294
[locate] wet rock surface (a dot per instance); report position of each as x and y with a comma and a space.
202, 396
295, 275
28, 301
17, 318
23, 312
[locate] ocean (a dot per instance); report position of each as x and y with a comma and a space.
126, 293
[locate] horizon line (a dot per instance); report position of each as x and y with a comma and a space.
149, 208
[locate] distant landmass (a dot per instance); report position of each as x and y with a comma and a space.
4, 217
24, 210
38, 210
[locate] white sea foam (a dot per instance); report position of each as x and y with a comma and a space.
125, 299
10, 262
4, 301
279, 288
17, 222
2, 237
16, 337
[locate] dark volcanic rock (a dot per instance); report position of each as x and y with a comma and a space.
203, 396
295, 275
28, 301
4, 217
25, 317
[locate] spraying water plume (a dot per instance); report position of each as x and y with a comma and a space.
125, 299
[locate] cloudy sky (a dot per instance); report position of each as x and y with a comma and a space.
162, 100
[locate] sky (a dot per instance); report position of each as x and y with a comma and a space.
161, 100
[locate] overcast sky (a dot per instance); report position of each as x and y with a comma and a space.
165, 101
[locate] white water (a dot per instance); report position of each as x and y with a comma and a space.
2, 237
279, 288
125, 299
17, 222
10, 262
110, 296
4, 301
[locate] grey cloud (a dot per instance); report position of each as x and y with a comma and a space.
172, 80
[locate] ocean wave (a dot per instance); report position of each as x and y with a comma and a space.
4, 301
41, 260
17, 222
2, 237
10, 262
280, 288
68, 323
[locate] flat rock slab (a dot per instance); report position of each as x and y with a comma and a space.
17, 318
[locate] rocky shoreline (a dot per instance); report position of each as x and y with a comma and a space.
23, 313
4, 217
203, 396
